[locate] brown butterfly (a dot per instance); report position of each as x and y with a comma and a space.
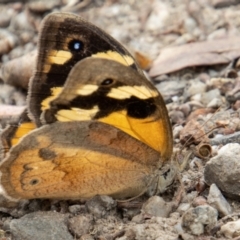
103, 128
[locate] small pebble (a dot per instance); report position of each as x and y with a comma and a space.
138, 218
183, 207
176, 131
218, 201
198, 201
99, 206
200, 219
156, 206
177, 117
86, 237
223, 170
40, 225
4, 20
80, 225
215, 103
185, 108
190, 24
43, 6
219, 33
170, 88
18, 71
231, 229
207, 97
7, 41
75, 209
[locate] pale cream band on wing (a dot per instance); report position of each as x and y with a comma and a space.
140, 92
112, 55
86, 90
56, 57
54, 93
76, 114
59, 57
122, 92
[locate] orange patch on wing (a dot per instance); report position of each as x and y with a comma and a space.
21, 131
140, 129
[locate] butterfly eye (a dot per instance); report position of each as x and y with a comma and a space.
107, 82
75, 45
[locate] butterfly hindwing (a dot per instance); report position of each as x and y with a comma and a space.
109, 92
78, 163
11, 135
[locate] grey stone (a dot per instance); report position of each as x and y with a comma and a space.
170, 88
214, 103
231, 229
183, 207
156, 206
224, 169
190, 24
194, 87
99, 206
200, 219
218, 201
80, 225
75, 209
40, 225
207, 97
86, 237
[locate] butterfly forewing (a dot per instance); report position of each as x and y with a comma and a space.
64, 40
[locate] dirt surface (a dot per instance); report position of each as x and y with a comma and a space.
203, 104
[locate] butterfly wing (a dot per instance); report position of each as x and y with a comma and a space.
64, 40
107, 91
124, 140
117, 98
78, 160
14, 131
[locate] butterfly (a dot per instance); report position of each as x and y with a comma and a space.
64, 39
102, 127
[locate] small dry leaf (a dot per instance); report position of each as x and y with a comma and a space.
143, 61
193, 132
200, 111
196, 54
200, 186
203, 123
